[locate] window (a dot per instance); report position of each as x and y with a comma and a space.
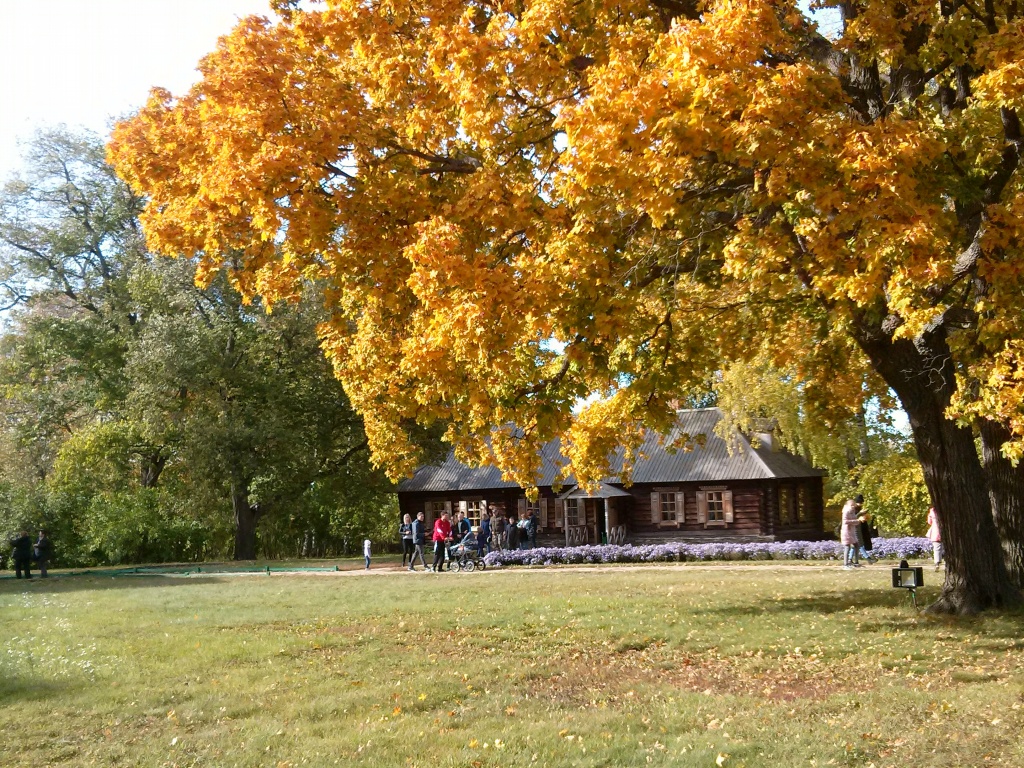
572, 512
668, 507
473, 510
802, 506
434, 509
785, 505
716, 507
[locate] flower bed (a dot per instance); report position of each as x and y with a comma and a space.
895, 549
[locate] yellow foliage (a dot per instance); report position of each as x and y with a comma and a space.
517, 206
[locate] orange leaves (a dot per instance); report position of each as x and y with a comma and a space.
516, 208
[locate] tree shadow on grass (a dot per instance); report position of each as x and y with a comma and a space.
23, 690
1007, 625
87, 582
166, 574
835, 601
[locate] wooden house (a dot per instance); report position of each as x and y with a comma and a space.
705, 494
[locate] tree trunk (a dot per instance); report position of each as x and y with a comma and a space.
1006, 494
245, 521
921, 374
308, 540
150, 469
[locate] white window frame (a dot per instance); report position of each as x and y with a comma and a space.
668, 500
572, 512
473, 508
716, 507
668, 507
715, 495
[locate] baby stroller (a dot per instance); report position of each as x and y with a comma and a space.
465, 556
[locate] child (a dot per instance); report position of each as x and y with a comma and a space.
366, 553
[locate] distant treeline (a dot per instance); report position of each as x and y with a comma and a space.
145, 419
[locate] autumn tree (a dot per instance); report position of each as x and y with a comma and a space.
146, 419
863, 451
518, 205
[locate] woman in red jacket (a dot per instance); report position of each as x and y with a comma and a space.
442, 535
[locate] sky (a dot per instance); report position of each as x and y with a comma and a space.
84, 62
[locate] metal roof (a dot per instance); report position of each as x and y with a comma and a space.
711, 462
603, 491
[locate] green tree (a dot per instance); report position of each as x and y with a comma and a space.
147, 418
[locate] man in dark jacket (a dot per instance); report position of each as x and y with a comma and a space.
43, 550
531, 529
465, 526
21, 551
419, 538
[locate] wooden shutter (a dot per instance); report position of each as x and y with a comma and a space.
483, 508
521, 506
543, 513
448, 507
727, 506
560, 513
428, 513
463, 507
680, 508
655, 507
702, 508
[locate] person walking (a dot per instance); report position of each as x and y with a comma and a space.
498, 530
21, 553
935, 536
867, 533
848, 531
465, 526
442, 535
483, 534
511, 532
42, 553
405, 532
366, 553
532, 523
419, 537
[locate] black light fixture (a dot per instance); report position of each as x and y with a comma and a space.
906, 577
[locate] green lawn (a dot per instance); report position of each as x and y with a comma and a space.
759, 664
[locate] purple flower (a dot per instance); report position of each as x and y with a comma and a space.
894, 549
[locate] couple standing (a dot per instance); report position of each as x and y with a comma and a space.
23, 553
856, 533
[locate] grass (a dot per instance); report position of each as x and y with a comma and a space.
742, 665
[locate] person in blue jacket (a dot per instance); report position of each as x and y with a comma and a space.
483, 534
419, 539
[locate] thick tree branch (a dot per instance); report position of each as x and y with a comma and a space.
439, 164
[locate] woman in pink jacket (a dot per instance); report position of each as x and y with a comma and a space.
935, 536
848, 531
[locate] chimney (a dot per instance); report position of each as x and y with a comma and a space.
764, 434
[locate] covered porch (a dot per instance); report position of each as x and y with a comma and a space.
596, 515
